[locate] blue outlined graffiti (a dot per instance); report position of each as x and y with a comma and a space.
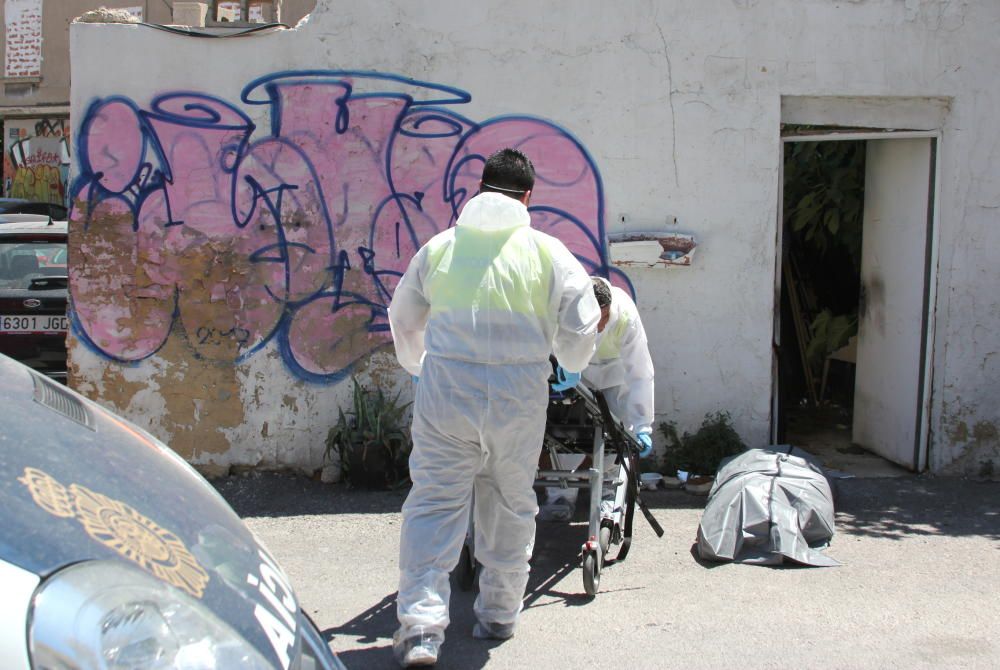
192, 218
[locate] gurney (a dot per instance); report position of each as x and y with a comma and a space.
579, 421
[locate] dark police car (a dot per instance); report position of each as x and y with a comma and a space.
115, 553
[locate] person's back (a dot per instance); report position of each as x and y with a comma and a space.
475, 317
494, 286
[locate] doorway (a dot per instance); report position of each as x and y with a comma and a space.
855, 288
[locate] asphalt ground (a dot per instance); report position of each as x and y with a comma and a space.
918, 587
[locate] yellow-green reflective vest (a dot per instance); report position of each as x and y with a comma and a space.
610, 346
489, 270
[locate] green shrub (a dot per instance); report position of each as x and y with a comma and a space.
702, 452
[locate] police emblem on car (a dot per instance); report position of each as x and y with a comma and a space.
115, 553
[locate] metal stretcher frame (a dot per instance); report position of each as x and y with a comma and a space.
608, 434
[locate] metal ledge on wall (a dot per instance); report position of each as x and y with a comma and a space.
635, 249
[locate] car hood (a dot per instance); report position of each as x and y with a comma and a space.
78, 483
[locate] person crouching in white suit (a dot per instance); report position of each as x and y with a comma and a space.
622, 370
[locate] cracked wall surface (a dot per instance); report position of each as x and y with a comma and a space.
238, 229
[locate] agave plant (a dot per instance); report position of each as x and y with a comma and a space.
371, 439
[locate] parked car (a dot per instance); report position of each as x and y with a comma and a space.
33, 289
115, 553
23, 218
19, 206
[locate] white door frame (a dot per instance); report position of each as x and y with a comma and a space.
921, 443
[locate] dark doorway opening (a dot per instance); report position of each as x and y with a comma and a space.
822, 214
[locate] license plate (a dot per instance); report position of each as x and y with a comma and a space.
33, 323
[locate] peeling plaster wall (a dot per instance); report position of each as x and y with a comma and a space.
651, 109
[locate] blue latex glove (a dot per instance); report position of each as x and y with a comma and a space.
565, 380
647, 444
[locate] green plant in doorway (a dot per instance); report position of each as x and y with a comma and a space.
829, 333
824, 195
824, 211
371, 439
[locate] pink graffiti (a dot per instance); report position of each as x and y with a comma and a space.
299, 234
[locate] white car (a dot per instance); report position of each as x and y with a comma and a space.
115, 553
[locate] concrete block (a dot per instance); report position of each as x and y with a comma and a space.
190, 14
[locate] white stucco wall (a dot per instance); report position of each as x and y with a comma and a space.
679, 106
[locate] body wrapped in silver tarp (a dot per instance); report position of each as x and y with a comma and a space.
767, 506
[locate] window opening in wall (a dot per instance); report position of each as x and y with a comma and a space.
245, 12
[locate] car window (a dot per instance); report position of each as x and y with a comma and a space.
7, 203
58, 257
20, 262
50, 209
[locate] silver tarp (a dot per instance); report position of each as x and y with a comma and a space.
768, 505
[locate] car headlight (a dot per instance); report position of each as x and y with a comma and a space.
103, 615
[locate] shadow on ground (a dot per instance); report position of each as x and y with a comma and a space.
556, 555
891, 508
278, 494
896, 508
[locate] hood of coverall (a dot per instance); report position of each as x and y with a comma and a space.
494, 211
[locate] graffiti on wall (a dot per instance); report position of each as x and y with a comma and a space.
188, 218
36, 162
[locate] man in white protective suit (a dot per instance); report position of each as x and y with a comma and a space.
623, 371
475, 318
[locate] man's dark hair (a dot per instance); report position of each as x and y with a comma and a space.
508, 171
601, 291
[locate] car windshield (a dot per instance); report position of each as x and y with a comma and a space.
22, 261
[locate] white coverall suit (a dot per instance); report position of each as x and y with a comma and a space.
475, 317
623, 370
621, 367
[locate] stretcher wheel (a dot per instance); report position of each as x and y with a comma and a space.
465, 571
591, 573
